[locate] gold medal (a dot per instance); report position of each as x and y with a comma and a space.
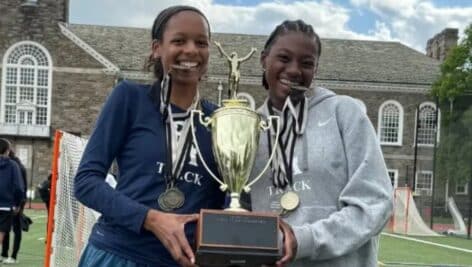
289, 201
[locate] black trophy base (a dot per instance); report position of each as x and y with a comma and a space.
243, 239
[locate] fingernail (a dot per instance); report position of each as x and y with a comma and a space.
192, 260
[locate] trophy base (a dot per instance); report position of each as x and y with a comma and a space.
229, 238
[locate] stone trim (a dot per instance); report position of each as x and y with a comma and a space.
81, 70
406, 157
377, 87
110, 67
342, 85
138, 75
25, 130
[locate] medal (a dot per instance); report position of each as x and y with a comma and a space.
289, 201
171, 199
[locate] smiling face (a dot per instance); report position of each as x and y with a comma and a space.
291, 60
184, 47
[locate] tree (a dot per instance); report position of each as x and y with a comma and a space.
454, 92
456, 71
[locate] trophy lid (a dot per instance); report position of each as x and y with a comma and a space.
235, 102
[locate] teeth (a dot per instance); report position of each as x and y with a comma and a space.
189, 64
293, 85
298, 88
185, 65
180, 67
289, 83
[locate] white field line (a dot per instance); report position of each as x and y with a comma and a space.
37, 217
427, 242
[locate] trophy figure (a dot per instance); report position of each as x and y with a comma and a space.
234, 68
235, 237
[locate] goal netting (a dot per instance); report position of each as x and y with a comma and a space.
406, 219
69, 222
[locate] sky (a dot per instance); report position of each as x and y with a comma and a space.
411, 22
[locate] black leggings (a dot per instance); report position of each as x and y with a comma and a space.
17, 240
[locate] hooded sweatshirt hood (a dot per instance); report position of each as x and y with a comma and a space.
317, 95
4, 162
11, 184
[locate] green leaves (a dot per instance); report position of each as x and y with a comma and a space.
456, 71
454, 90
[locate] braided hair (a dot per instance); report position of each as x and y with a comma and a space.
157, 33
291, 26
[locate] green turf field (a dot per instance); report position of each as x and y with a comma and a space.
393, 251
32, 245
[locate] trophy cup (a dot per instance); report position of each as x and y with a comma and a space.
234, 236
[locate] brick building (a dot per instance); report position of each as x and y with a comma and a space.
56, 75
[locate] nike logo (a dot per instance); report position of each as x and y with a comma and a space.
323, 123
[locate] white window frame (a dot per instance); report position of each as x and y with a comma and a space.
399, 141
428, 190
16, 128
466, 189
429, 103
395, 177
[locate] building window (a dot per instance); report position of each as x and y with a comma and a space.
462, 189
390, 128
424, 183
427, 124
26, 85
393, 174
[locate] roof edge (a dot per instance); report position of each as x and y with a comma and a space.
109, 66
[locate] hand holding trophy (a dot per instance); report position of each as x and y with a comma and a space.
235, 237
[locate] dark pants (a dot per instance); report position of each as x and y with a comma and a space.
17, 240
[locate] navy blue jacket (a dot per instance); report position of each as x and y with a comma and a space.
130, 128
12, 188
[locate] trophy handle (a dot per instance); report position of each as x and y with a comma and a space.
266, 127
205, 122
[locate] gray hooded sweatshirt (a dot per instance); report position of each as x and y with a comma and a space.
340, 176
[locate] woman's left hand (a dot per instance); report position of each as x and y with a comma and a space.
289, 245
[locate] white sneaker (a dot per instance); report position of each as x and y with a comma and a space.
10, 260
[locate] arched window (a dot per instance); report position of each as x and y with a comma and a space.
427, 124
26, 85
390, 127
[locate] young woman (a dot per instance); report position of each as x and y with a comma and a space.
149, 220
329, 180
12, 189
16, 224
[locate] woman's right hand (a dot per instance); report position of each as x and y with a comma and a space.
169, 228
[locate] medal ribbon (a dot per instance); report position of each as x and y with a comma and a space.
176, 148
293, 124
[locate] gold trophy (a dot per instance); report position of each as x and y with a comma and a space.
235, 237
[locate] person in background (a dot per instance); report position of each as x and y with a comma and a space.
12, 189
17, 231
149, 218
329, 181
44, 190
